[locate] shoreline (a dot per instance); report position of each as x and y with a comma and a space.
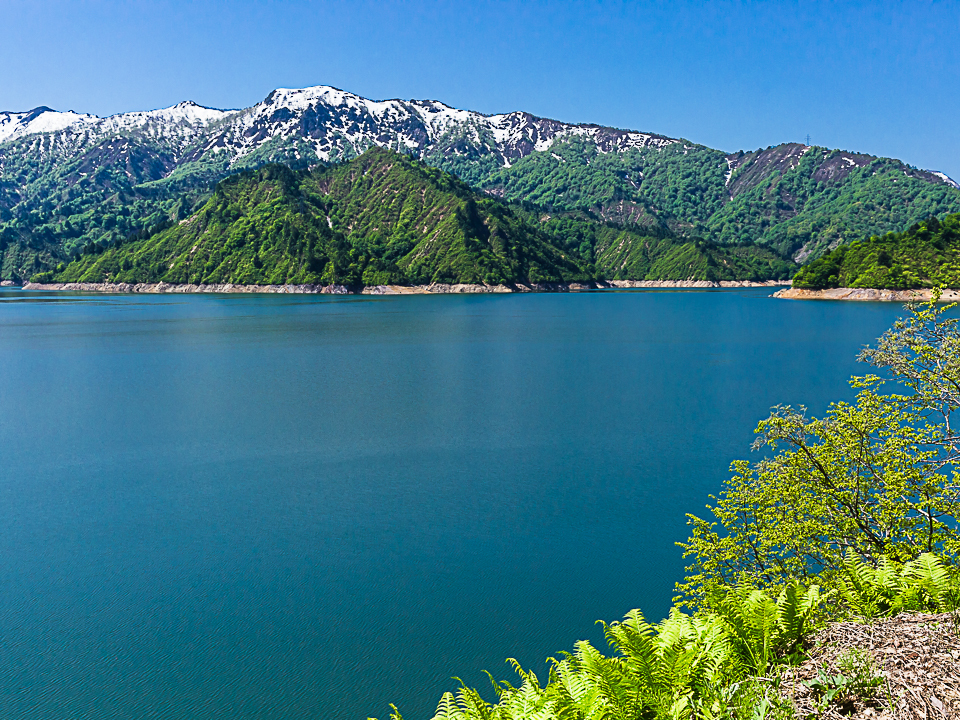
434, 288
866, 294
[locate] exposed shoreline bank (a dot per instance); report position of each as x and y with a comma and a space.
865, 294
436, 288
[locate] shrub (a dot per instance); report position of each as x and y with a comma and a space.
874, 477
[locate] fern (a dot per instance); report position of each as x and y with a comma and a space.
923, 584
927, 585
447, 708
751, 617
686, 667
761, 628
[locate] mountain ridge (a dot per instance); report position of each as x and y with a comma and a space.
69, 179
387, 219
305, 98
435, 116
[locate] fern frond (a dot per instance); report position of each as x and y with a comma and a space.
472, 706
447, 708
795, 607
925, 584
868, 591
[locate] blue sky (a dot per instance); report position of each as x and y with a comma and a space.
880, 78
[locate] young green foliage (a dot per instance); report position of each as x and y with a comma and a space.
922, 585
926, 255
875, 477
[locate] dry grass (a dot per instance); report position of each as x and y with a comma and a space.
919, 656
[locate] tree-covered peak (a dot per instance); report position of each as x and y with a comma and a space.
924, 256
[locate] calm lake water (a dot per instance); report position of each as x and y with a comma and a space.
310, 507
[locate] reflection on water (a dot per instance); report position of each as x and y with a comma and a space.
308, 506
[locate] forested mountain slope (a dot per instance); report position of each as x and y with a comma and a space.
385, 218
68, 179
797, 199
925, 256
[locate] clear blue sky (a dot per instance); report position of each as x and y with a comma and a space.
882, 78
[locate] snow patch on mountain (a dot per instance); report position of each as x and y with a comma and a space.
15, 125
328, 122
324, 123
947, 179
335, 122
185, 118
184, 113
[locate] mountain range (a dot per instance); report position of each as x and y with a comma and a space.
388, 219
68, 180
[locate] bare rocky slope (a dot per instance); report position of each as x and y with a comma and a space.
866, 294
432, 289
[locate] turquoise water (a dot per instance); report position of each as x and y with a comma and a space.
310, 507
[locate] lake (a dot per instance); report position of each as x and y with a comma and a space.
292, 506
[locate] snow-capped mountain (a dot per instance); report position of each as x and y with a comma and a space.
332, 122
316, 124
946, 178
69, 179
184, 119
321, 121
15, 125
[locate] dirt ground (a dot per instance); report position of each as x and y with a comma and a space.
917, 656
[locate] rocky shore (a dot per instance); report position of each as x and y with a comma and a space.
436, 288
866, 294
691, 283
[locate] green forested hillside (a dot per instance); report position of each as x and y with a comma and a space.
50, 207
828, 198
628, 254
383, 218
412, 224
675, 188
795, 199
387, 219
926, 255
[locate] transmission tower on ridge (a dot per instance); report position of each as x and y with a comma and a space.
808, 138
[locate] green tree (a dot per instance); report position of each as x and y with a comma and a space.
860, 499
876, 477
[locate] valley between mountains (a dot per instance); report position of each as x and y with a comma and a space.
321, 186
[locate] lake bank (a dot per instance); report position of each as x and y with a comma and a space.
434, 288
865, 294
